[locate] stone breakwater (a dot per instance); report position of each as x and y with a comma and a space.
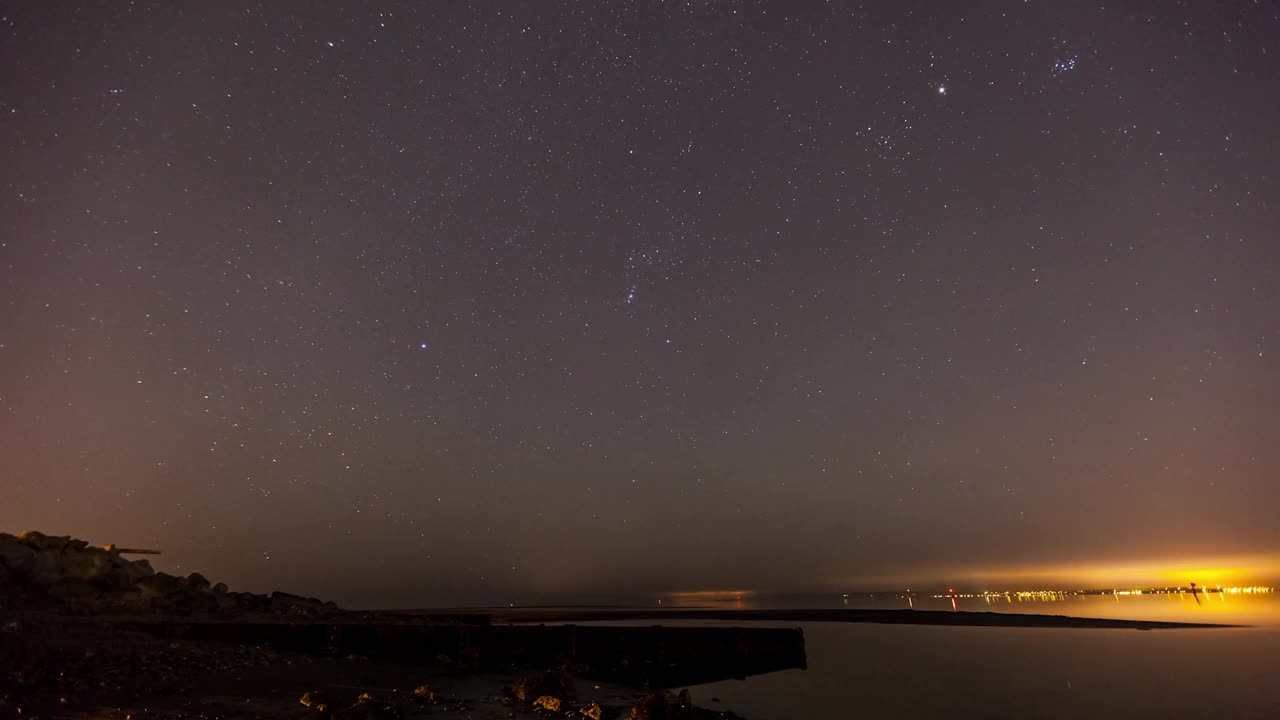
39, 569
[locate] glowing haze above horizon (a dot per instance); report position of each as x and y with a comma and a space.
407, 303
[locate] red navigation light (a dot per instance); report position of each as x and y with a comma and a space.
951, 590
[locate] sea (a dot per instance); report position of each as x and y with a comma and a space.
863, 670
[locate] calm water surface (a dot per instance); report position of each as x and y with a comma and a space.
867, 670
864, 670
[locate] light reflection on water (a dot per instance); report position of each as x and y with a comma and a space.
868, 670
872, 670
857, 669
1261, 609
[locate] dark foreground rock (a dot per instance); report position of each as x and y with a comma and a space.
37, 570
556, 683
52, 665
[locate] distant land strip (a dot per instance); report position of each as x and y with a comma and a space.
889, 617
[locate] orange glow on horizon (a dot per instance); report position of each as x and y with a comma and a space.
1240, 570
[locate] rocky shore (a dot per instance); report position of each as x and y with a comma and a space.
88, 633
74, 576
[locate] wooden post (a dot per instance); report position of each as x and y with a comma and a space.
112, 548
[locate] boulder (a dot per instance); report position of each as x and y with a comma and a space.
86, 564
555, 683
131, 600
225, 602
44, 571
548, 703
315, 700
198, 582
39, 541
160, 585
366, 708
248, 602
56, 543
71, 570
129, 575
196, 603
282, 603
14, 555
70, 588
653, 706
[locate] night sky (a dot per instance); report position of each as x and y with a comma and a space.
407, 303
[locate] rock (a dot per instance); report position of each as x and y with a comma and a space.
39, 541
132, 600
15, 556
556, 683
522, 690
85, 564
127, 575
548, 703
366, 708
160, 585
282, 603
200, 603
71, 588
56, 543
44, 571
684, 699
651, 707
248, 602
315, 700
79, 575
424, 693
593, 711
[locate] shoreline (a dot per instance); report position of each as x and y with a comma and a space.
85, 632
889, 617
